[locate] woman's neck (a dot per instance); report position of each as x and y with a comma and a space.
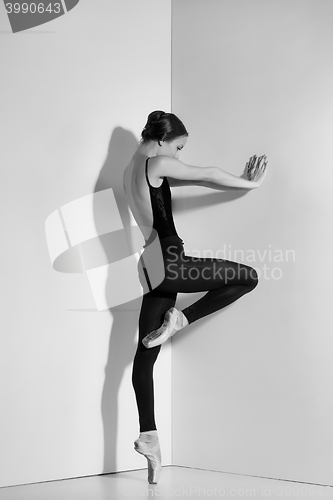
149, 148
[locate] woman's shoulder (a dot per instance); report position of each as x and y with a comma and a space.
162, 165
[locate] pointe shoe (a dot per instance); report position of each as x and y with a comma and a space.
168, 329
154, 464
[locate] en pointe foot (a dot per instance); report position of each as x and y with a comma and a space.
148, 445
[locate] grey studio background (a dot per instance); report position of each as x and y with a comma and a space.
248, 390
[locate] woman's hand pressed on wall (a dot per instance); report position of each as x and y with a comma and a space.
255, 168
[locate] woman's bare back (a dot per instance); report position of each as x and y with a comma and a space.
137, 192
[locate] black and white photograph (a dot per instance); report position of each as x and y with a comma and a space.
166, 245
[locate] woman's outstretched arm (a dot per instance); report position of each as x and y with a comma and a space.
202, 176
220, 178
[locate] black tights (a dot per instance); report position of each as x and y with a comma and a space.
225, 282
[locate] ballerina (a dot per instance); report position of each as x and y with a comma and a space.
155, 167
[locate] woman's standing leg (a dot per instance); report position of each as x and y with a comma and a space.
154, 306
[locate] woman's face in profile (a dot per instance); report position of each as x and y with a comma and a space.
174, 147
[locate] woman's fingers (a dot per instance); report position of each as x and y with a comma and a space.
256, 167
263, 170
261, 166
253, 162
250, 165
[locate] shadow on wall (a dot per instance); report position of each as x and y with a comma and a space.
122, 346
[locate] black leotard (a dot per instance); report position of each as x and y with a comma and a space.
160, 198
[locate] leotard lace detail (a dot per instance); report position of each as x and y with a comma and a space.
161, 205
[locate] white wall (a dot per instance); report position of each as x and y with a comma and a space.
75, 94
252, 384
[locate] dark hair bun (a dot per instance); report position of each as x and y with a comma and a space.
162, 126
155, 116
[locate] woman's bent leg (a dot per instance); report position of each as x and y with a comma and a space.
225, 281
154, 306
237, 280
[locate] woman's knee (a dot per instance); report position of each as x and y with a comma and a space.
253, 278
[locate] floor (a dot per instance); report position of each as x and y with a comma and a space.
175, 482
